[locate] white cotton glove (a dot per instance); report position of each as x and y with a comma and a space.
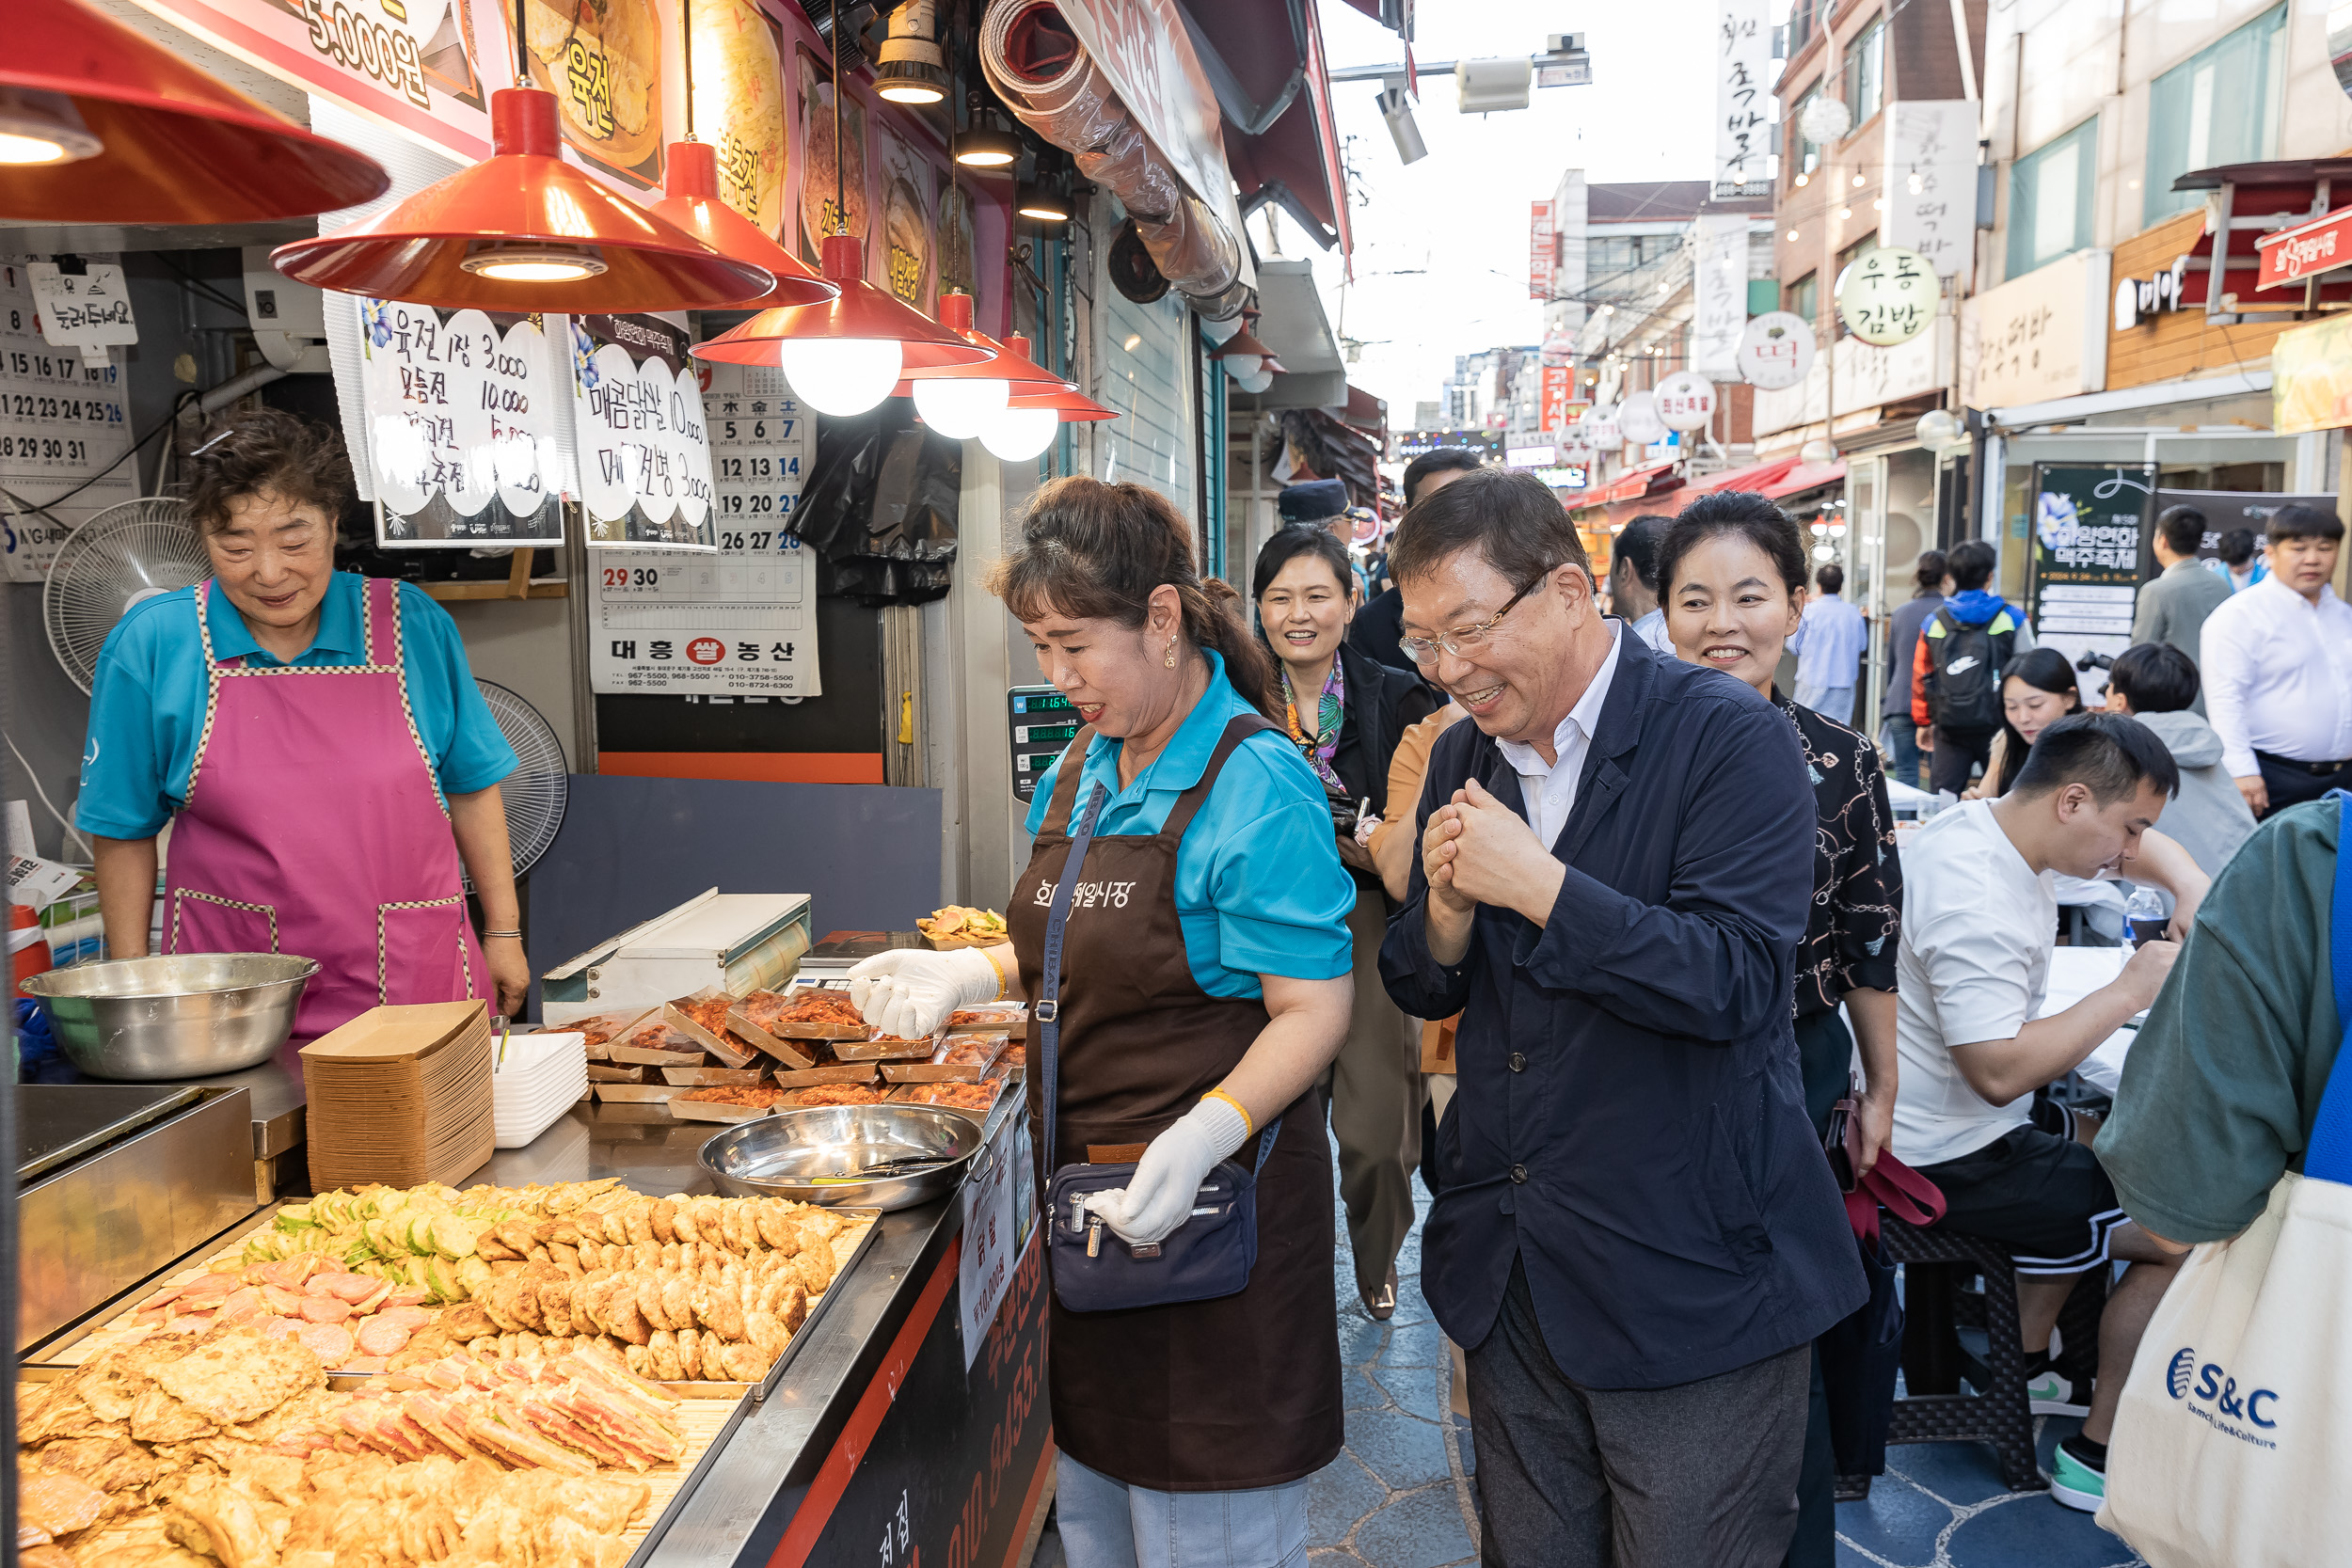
909, 990
1167, 1179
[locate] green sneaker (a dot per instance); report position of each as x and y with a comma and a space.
2074, 1482
2051, 1392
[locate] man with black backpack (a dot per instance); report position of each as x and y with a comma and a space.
1956, 672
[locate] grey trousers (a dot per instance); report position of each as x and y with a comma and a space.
1703, 1473
1375, 1105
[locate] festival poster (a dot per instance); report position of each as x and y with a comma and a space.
739, 107
818, 216
901, 260
603, 61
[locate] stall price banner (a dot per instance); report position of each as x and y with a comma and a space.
65, 434
644, 447
1932, 184
2087, 531
460, 413
742, 621
940, 1463
1744, 80
1542, 251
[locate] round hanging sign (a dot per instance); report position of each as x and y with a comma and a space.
1776, 350
1599, 426
1637, 417
1888, 296
1686, 401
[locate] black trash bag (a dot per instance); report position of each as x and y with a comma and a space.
1860, 1356
880, 506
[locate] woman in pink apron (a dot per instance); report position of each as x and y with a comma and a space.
315, 740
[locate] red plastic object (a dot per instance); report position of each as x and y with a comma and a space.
689, 181
1002, 364
178, 146
524, 193
861, 311
29, 947
1073, 407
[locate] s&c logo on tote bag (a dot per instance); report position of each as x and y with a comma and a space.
2210, 1384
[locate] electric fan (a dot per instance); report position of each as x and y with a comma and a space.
534, 792
123, 556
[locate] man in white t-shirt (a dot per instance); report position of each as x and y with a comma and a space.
1980, 921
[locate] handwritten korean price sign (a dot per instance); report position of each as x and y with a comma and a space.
461, 411
1888, 296
644, 442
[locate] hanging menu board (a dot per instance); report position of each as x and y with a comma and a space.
644, 447
742, 621
65, 434
461, 411
2087, 525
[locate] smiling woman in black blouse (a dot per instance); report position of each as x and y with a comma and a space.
1732, 570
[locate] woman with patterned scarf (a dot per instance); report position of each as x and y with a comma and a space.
1345, 713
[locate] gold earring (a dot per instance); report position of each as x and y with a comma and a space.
1171, 653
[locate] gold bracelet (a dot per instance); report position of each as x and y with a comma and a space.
1248, 1125
1001, 987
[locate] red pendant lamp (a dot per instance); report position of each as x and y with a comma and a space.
690, 201
958, 400
101, 124
844, 355
523, 230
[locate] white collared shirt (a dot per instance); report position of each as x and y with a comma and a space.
2277, 676
1550, 788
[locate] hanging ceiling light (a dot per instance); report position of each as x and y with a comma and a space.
1242, 356
844, 354
1035, 199
690, 201
957, 400
522, 231
99, 124
1017, 434
985, 143
912, 71
1070, 405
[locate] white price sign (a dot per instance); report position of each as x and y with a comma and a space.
461, 427
644, 446
742, 621
992, 1246
65, 431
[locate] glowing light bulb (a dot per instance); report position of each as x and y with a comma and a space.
1017, 434
533, 263
961, 409
841, 375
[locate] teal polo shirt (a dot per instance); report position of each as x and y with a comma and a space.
1260, 888
147, 708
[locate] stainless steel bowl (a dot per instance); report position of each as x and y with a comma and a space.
813, 1155
188, 1016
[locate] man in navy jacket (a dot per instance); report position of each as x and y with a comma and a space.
1637, 1238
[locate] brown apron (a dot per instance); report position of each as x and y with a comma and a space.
1210, 1396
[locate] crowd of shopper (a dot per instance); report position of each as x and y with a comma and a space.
1574, 913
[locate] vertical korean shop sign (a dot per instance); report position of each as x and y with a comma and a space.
739, 623
1932, 184
1743, 79
1542, 251
65, 433
461, 412
644, 446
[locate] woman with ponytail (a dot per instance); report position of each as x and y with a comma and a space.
1204, 987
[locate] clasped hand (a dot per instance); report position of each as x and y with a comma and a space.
1477, 850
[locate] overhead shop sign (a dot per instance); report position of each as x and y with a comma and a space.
2293, 255
1932, 184
1542, 251
1743, 65
742, 622
65, 429
645, 445
461, 412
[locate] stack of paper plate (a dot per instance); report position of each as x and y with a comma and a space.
542, 1077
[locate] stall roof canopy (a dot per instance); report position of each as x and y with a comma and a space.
1655, 480
1265, 60
2264, 198
1806, 476
1758, 476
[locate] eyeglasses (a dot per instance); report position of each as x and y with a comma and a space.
1464, 641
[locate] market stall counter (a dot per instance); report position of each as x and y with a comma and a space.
904, 1419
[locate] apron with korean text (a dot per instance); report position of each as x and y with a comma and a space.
314, 827
1208, 1396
